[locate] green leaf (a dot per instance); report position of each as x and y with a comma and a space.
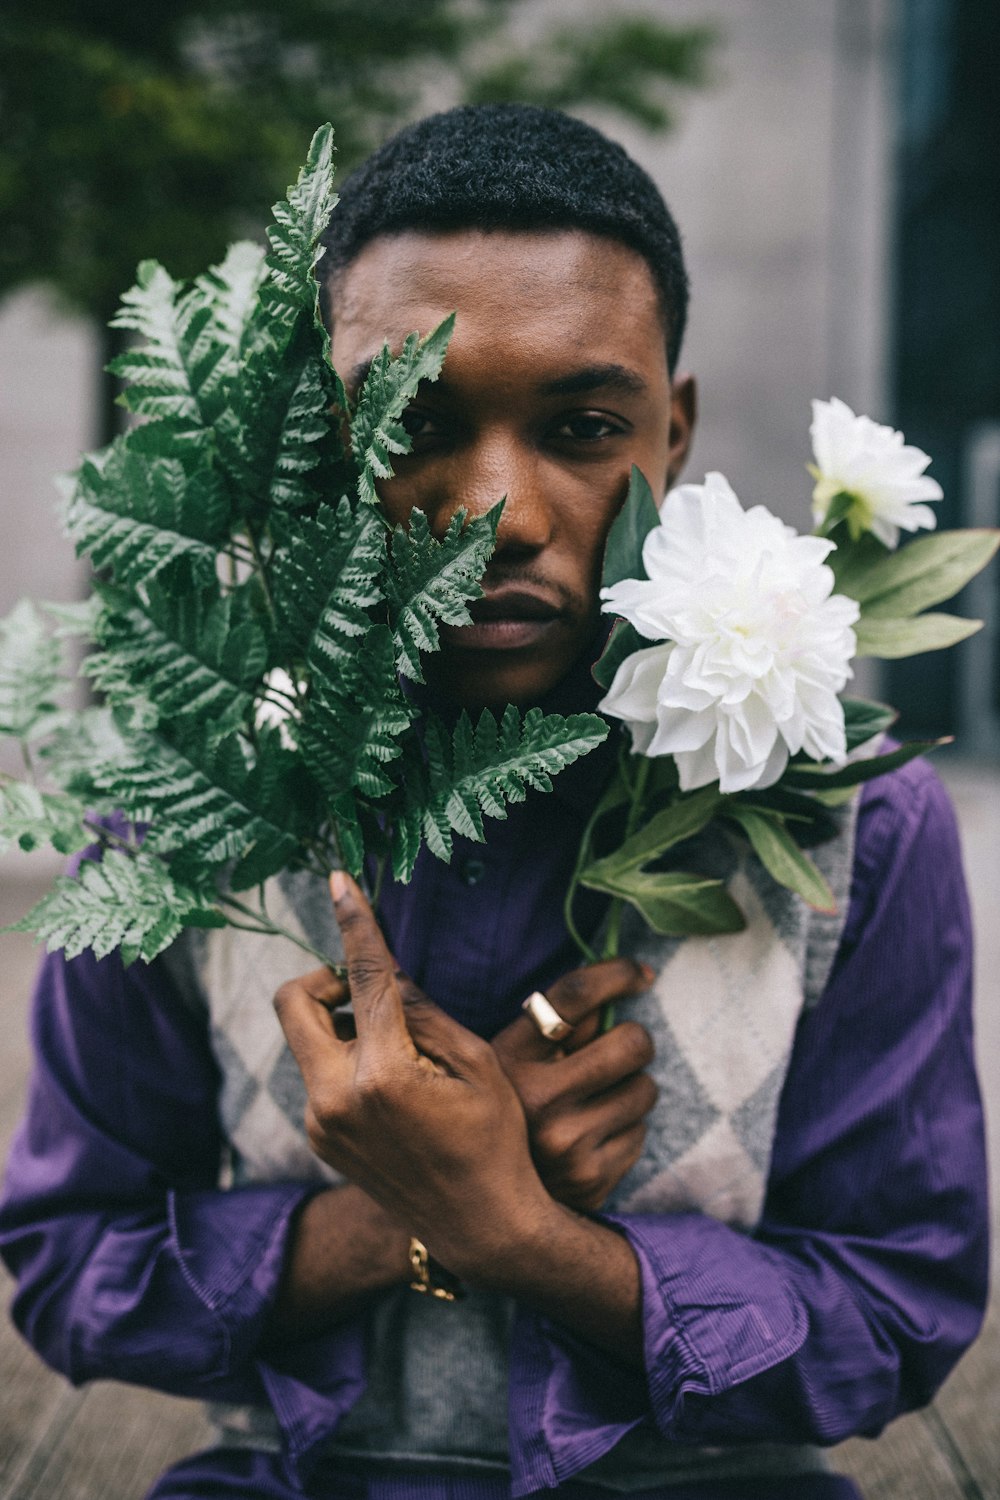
300, 220
864, 719
480, 770
623, 642
634, 522
144, 503
207, 803
194, 653
910, 637
280, 435
858, 771
926, 571
430, 582
30, 673
230, 291
352, 722
391, 384
325, 580
681, 820
674, 903
125, 901
31, 819
159, 381
781, 856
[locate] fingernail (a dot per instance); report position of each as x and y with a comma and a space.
648, 974
338, 884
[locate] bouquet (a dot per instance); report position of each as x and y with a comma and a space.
733, 640
252, 623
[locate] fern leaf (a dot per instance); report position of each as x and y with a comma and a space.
125, 901
30, 673
430, 582
194, 653
351, 726
376, 431
325, 580
230, 291
484, 769
31, 819
143, 503
299, 222
208, 804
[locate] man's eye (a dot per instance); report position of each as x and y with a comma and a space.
418, 424
589, 427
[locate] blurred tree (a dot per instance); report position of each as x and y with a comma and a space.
166, 130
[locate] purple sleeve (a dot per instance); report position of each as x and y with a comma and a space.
131, 1262
867, 1276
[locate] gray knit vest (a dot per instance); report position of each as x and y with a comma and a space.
722, 1014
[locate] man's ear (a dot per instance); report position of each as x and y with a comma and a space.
683, 415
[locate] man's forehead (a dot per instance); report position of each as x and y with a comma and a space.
568, 289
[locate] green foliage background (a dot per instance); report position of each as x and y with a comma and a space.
129, 131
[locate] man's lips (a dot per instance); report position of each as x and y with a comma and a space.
505, 619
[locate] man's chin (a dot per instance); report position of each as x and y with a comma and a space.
474, 680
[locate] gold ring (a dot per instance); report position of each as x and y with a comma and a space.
545, 1016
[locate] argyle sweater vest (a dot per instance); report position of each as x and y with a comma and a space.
722, 1014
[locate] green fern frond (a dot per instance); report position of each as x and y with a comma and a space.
126, 901
145, 502
30, 673
481, 770
300, 220
208, 803
391, 384
230, 290
430, 582
351, 726
176, 373
31, 819
325, 579
193, 654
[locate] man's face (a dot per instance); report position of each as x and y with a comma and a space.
555, 383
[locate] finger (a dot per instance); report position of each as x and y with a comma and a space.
610, 1059
309, 1030
616, 1158
436, 1034
579, 998
583, 991
371, 969
618, 1110
326, 987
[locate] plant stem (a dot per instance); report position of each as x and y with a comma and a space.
275, 929
262, 573
642, 767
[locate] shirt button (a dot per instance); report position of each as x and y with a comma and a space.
473, 871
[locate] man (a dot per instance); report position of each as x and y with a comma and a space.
456, 1144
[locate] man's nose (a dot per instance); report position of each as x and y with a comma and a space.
497, 467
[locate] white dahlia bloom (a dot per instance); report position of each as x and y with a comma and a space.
883, 475
755, 646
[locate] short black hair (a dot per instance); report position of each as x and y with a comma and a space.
511, 166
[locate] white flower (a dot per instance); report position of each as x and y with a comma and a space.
884, 477
275, 708
756, 648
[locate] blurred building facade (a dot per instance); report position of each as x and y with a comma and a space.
833, 185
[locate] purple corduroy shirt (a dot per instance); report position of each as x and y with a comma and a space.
850, 1303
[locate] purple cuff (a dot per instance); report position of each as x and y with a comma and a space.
716, 1311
